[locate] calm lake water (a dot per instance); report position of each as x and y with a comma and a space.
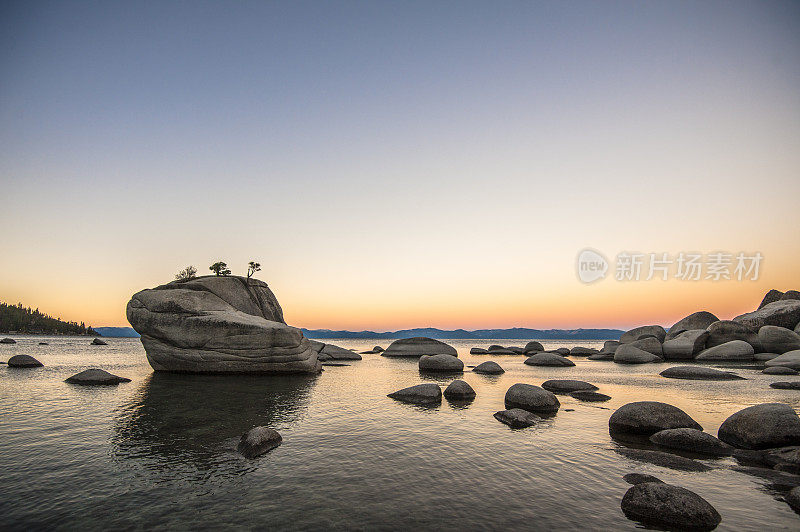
160, 451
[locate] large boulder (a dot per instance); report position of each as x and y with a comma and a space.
668, 506
762, 427
532, 347
721, 332
416, 347
96, 377
699, 373
489, 368
788, 360
218, 324
649, 344
698, 320
648, 417
630, 354
783, 313
532, 398
445, 363
23, 361
334, 352
774, 339
258, 441
564, 386
643, 332
420, 394
685, 345
548, 359
691, 440
733, 350
771, 297
459, 390
478, 351
786, 385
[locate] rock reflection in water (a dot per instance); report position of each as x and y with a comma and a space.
193, 421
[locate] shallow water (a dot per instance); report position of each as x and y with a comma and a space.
161, 450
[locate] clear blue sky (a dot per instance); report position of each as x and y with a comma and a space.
393, 164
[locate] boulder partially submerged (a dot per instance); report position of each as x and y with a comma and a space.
23, 361
489, 368
8, 341
648, 417
699, 373
691, 440
762, 427
698, 320
427, 393
418, 346
531, 398
96, 377
258, 441
673, 507
459, 390
443, 363
98, 341
729, 351
218, 324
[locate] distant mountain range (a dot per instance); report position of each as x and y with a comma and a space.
516, 333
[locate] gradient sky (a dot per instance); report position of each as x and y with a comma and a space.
398, 164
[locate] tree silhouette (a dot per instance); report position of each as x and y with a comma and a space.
220, 268
252, 268
189, 272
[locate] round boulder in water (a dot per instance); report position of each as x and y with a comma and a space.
489, 368
418, 346
8, 341
548, 359
786, 385
94, 376
691, 440
630, 354
445, 363
532, 398
649, 417
657, 503
420, 394
459, 391
763, 426
98, 341
23, 361
258, 441
533, 347
699, 373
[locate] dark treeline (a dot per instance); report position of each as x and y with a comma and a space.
18, 319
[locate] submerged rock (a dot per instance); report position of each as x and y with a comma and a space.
699, 373
763, 357
639, 478
649, 344
692, 440
533, 346
531, 398
23, 361
419, 394
98, 341
590, 396
698, 320
779, 370
733, 350
517, 418
762, 427
96, 376
657, 503
567, 386
218, 324
445, 363
662, 459
489, 368
603, 355
460, 391
630, 354
786, 385
649, 417
638, 333
8, 341
416, 347
548, 359
258, 441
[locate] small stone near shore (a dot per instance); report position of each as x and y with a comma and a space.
97, 377
517, 418
420, 394
489, 368
699, 373
672, 507
459, 390
786, 385
23, 361
589, 396
98, 341
567, 386
43, 343
639, 478
258, 441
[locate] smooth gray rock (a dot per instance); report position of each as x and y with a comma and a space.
23, 361
496, 347
642, 332
334, 352
649, 417
533, 347
609, 346
516, 350
724, 331
697, 320
224, 324
630, 354
258, 441
783, 313
771, 297
602, 355
579, 351
531, 398
489, 368
662, 459
517, 418
416, 347
733, 350
786, 385
639, 478
96, 376
8, 341
502, 351
478, 351
699, 373
445, 363
548, 359
779, 370
563, 351
692, 440
459, 391
762, 427
792, 498
98, 341
685, 345
564, 386
589, 396
763, 357
673, 507
779, 340
789, 360
649, 344
420, 394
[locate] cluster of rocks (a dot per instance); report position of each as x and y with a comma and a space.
430, 394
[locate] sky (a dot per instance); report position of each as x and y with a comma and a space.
399, 164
